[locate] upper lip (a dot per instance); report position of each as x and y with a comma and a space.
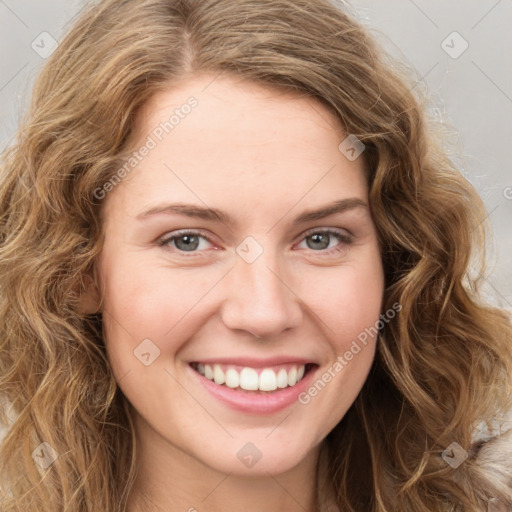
254, 362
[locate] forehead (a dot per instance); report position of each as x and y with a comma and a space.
250, 112
241, 138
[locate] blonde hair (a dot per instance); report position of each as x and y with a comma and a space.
442, 364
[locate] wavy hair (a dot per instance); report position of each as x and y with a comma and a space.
442, 365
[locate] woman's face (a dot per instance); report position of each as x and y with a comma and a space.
258, 290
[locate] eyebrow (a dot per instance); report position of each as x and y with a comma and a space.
214, 214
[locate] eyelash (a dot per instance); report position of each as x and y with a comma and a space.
342, 237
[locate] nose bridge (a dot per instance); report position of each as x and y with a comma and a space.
259, 300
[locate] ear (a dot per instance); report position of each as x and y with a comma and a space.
90, 297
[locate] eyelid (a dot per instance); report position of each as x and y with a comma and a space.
321, 229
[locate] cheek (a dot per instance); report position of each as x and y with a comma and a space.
347, 302
346, 299
150, 312
149, 299
138, 307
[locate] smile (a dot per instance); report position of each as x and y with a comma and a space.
253, 379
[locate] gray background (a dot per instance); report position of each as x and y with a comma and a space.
471, 93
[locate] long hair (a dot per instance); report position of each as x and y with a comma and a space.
442, 364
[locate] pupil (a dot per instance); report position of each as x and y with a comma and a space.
191, 242
317, 238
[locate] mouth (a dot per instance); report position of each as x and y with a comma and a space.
253, 380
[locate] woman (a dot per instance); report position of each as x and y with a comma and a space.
235, 270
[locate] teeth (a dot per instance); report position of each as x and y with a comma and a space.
218, 374
292, 376
248, 378
282, 378
268, 380
232, 378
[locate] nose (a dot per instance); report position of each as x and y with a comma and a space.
260, 298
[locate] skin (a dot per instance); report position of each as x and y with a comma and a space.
264, 157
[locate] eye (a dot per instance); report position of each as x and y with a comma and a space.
188, 241
184, 241
321, 240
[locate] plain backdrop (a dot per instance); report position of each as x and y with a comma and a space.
461, 51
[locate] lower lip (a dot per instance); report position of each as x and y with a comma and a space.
267, 402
